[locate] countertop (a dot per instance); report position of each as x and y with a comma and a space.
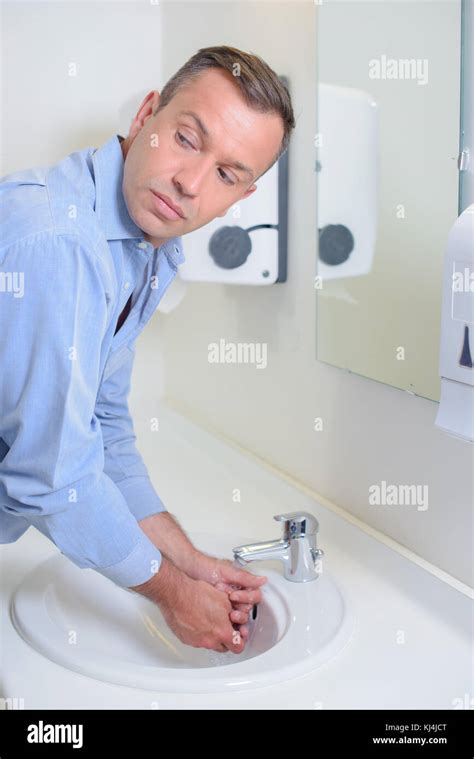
411, 647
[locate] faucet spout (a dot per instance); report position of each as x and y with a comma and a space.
268, 550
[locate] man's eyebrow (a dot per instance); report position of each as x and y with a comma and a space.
202, 127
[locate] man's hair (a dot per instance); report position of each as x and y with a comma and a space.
259, 84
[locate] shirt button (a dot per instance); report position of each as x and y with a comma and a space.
142, 245
126, 285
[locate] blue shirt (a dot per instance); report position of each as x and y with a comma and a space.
70, 256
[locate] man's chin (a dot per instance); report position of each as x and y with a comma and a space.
155, 230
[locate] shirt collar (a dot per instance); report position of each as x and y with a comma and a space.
110, 206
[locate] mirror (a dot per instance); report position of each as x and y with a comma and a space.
389, 78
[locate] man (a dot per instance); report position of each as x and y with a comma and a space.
94, 243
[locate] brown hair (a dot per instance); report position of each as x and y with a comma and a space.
259, 84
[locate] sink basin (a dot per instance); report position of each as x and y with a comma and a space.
79, 619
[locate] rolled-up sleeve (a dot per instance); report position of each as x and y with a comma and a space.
50, 357
123, 461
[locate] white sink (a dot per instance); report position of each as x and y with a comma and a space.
79, 619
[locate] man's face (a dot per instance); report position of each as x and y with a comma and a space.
169, 154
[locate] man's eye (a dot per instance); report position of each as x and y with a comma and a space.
184, 138
226, 178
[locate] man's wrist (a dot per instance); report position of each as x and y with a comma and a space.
200, 566
167, 535
159, 588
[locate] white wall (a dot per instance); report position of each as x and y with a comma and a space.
372, 432
47, 110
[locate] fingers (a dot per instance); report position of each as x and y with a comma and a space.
228, 641
242, 607
227, 587
249, 596
247, 579
236, 643
246, 596
242, 580
224, 586
239, 617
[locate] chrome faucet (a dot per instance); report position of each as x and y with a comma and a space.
296, 549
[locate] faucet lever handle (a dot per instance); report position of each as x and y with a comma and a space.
298, 523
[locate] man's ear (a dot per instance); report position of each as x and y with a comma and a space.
246, 194
249, 191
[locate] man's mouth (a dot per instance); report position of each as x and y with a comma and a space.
166, 206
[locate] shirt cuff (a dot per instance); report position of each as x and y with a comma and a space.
141, 497
139, 566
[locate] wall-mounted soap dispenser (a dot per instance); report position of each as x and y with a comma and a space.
347, 166
456, 407
247, 246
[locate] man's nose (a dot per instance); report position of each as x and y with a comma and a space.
191, 178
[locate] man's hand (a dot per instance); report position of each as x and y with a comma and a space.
197, 613
242, 587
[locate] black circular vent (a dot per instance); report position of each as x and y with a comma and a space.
335, 244
230, 247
